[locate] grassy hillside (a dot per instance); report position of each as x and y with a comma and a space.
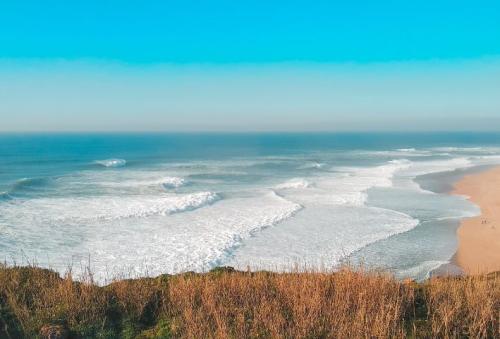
224, 303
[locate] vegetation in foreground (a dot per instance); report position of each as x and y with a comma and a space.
38, 303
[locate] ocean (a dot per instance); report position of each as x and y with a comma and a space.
148, 204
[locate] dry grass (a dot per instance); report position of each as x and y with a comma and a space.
299, 305
227, 304
467, 307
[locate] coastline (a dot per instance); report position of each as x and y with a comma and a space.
479, 237
444, 183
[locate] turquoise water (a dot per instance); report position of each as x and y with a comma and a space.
146, 204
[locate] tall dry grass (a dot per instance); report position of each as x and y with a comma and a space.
296, 305
228, 304
468, 307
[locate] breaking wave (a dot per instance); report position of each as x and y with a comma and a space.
312, 165
5, 196
165, 182
109, 208
111, 162
294, 183
351, 188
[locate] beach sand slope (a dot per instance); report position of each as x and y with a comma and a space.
479, 237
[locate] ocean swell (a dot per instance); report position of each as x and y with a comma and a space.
28, 183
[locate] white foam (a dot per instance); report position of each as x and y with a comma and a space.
401, 152
337, 232
346, 188
111, 162
436, 166
130, 217
458, 149
351, 189
166, 182
467, 151
293, 184
486, 160
87, 209
422, 270
312, 165
342, 223
119, 182
157, 243
172, 182
200, 240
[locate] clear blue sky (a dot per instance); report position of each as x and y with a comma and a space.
249, 65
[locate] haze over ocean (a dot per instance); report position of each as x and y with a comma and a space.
225, 66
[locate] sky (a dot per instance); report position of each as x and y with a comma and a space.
249, 65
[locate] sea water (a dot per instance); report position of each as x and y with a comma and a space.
147, 204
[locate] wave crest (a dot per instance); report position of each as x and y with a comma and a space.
111, 162
172, 182
294, 184
160, 206
312, 165
5, 196
28, 182
106, 208
165, 182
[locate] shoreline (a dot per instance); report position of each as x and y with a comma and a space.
478, 249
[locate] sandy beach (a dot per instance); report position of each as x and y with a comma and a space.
479, 237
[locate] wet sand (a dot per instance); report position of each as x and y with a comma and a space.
479, 237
